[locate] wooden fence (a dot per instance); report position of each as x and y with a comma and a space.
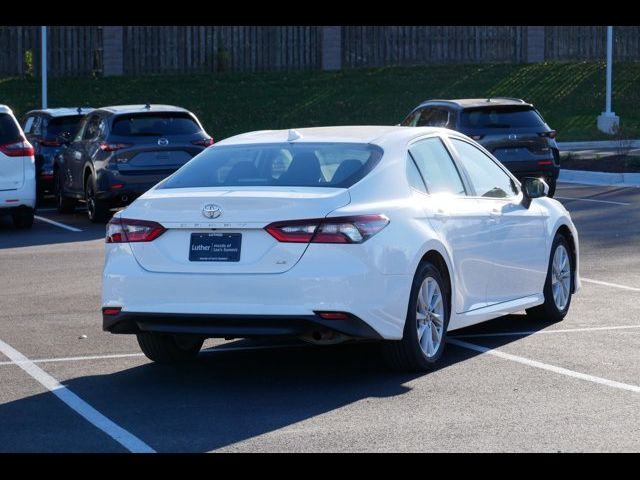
78, 50
72, 50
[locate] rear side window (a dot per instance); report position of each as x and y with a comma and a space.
9, 129
436, 167
502, 117
154, 125
59, 125
275, 164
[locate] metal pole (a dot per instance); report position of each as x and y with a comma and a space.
609, 66
43, 32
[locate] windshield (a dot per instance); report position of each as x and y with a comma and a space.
154, 124
503, 117
278, 164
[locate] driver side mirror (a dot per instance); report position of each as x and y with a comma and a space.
533, 188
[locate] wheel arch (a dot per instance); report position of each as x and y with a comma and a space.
564, 230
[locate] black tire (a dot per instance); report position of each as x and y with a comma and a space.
63, 204
549, 311
97, 210
406, 354
23, 218
552, 187
165, 348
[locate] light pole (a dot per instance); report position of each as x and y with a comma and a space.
43, 64
608, 121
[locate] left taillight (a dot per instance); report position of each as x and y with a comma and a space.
206, 142
356, 229
127, 230
21, 148
112, 147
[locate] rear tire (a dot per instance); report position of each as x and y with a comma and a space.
23, 218
427, 321
63, 204
97, 210
558, 286
168, 349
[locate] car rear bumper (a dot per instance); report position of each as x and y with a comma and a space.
234, 325
324, 280
25, 196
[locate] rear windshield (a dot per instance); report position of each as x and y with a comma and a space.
278, 164
60, 125
509, 117
154, 125
9, 129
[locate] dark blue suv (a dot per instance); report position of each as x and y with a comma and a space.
46, 130
119, 152
510, 128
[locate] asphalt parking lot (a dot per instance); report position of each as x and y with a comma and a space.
506, 385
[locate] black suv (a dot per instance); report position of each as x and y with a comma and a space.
510, 128
46, 130
119, 152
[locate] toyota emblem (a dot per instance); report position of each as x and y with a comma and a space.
163, 142
211, 211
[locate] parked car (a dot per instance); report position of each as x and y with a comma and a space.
46, 130
510, 128
336, 233
120, 152
17, 171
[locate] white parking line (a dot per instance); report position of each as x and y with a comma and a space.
539, 332
93, 416
57, 224
128, 355
607, 284
545, 366
592, 200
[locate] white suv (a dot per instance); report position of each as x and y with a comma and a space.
17, 171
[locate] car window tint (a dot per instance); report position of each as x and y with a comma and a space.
412, 119
436, 166
9, 129
92, 129
59, 125
154, 124
433, 117
502, 117
414, 177
276, 164
488, 179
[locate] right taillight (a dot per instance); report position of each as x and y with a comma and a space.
126, 230
21, 148
549, 134
112, 147
355, 229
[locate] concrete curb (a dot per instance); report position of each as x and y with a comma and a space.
600, 178
604, 145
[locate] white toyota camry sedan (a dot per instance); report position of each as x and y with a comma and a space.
334, 234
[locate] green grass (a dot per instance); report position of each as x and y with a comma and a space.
569, 95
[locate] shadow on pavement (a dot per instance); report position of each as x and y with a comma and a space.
228, 397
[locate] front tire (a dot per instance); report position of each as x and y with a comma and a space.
426, 324
169, 349
63, 204
558, 286
97, 210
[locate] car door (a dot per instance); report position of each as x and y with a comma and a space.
457, 218
519, 244
81, 150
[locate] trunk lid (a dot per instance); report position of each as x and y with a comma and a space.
244, 210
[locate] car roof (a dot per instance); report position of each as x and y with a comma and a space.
375, 134
123, 109
62, 111
5, 109
480, 102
